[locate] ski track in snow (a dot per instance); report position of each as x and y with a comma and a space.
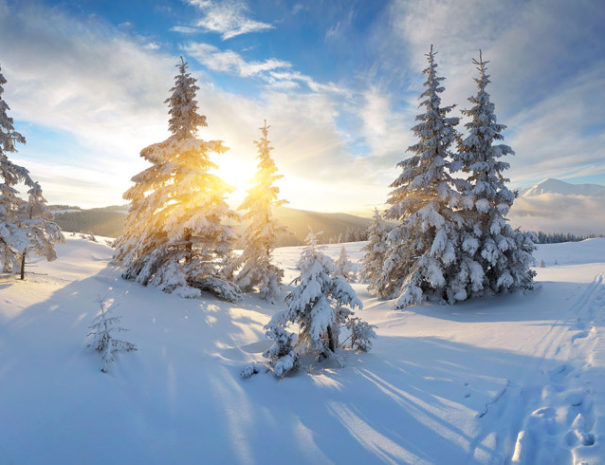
549, 418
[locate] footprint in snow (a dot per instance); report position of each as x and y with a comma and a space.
580, 335
559, 373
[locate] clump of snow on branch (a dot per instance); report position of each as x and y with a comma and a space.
260, 236
102, 336
320, 306
175, 236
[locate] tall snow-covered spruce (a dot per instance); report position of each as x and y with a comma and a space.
500, 256
175, 236
320, 305
25, 226
421, 249
260, 236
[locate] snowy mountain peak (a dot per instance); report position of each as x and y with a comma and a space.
556, 186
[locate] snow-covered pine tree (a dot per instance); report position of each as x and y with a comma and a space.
320, 305
11, 175
102, 339
174, 236
40, 230
499, 257
260, 236
24, 226
375, 251
421, 249
344, 267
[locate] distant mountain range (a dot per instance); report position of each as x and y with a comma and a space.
558, 187
551, 205
109, 221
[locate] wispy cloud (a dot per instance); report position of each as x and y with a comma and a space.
577, 214
228, 61
277, 74
227, 17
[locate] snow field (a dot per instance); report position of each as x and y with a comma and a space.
513, 379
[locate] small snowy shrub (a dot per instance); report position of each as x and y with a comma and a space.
362, 334
102, 336
318, 306
343, 266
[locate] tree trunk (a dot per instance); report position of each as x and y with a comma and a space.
188, 246
23, 265
330, 339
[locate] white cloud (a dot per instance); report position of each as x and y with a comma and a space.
228, 18
276, 73
280, 77
185, 29
228, 61
575, 214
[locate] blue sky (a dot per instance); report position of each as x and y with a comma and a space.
337, 80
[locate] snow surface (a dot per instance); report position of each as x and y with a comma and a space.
513, 379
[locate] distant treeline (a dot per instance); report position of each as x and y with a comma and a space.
555, 238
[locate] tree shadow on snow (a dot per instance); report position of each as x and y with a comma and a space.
540, 304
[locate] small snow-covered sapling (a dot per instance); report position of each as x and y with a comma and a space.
101, 333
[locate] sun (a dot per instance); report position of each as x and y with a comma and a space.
237, 173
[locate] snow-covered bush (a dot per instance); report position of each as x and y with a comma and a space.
501, 256
362, 334
422, 248
174, 236
260, 237
282, 356
102, 337
319, 306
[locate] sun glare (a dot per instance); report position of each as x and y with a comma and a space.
236, 173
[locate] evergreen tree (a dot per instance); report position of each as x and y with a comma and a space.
102, 337
421, 249
37, 222
344, 267
174, 235
11, 176
375, 252
24, 226
260, 236
500, 256
320, 305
